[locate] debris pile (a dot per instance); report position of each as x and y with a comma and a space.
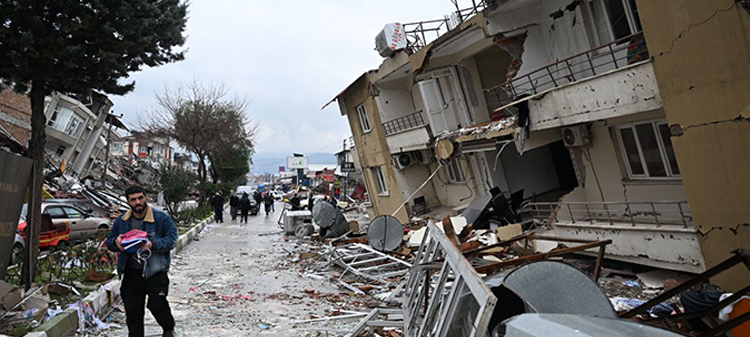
453, 279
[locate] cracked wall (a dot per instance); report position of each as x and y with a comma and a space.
701, 49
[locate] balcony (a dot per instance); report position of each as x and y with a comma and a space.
654, 233
612, 80
420, 34
407, 133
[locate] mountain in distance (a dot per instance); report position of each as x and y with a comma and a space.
270, 164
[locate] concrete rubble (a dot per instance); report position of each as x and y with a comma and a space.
443, 270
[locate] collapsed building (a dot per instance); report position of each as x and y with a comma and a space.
581, 115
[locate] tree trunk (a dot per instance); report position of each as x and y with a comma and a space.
214, 169
202, 178
36, 152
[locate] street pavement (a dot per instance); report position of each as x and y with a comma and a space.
237, 280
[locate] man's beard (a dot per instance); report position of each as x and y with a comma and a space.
138, 208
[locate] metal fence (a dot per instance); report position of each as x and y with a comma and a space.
419, 34
656, 213
404, 123
622, 52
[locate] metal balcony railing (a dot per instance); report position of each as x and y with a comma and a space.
419, 34
575, 68
658, 213
404, 123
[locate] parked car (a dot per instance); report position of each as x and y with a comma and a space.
17, 253
277, 195
254, 207
81, 223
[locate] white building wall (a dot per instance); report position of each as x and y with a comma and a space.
610, 174
393, 104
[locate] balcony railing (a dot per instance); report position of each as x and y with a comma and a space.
657, 213
575, 68
404, 123
419, 34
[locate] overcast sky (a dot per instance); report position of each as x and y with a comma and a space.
288, 57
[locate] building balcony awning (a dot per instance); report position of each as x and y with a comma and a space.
490, 130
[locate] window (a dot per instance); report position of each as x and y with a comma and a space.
377, 173
116, 147
65, 120
55, 212
60, 151
144, 149
455, 171
648, 150
363, 119
613, 19
72, 212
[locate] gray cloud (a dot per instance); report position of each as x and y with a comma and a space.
288, 58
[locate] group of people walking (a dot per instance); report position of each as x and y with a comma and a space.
241, 206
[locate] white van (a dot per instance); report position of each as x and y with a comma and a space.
245, 189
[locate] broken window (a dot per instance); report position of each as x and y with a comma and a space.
377, 173
613, 19
60, 151
455, 171
363, 120
647, 150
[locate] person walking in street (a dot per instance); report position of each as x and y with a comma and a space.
218, 203
144, 271
234, 202
294, 201
258, 198
268, 202
244, 207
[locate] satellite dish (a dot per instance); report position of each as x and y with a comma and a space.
330, 219
385, 233
324, 214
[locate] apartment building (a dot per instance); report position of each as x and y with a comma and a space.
140, 145
76, 126
562, 105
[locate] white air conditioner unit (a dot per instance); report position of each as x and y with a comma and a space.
403, 160
574, 136
390, 39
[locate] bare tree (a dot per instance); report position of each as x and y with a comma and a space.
203, 120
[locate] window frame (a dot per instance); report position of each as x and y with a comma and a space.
55, 216
670, 175
364, 120
63, 118
379, 177
456, 174
629, 17
61, 150
71, 215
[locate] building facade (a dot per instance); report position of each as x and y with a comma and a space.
565, 107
